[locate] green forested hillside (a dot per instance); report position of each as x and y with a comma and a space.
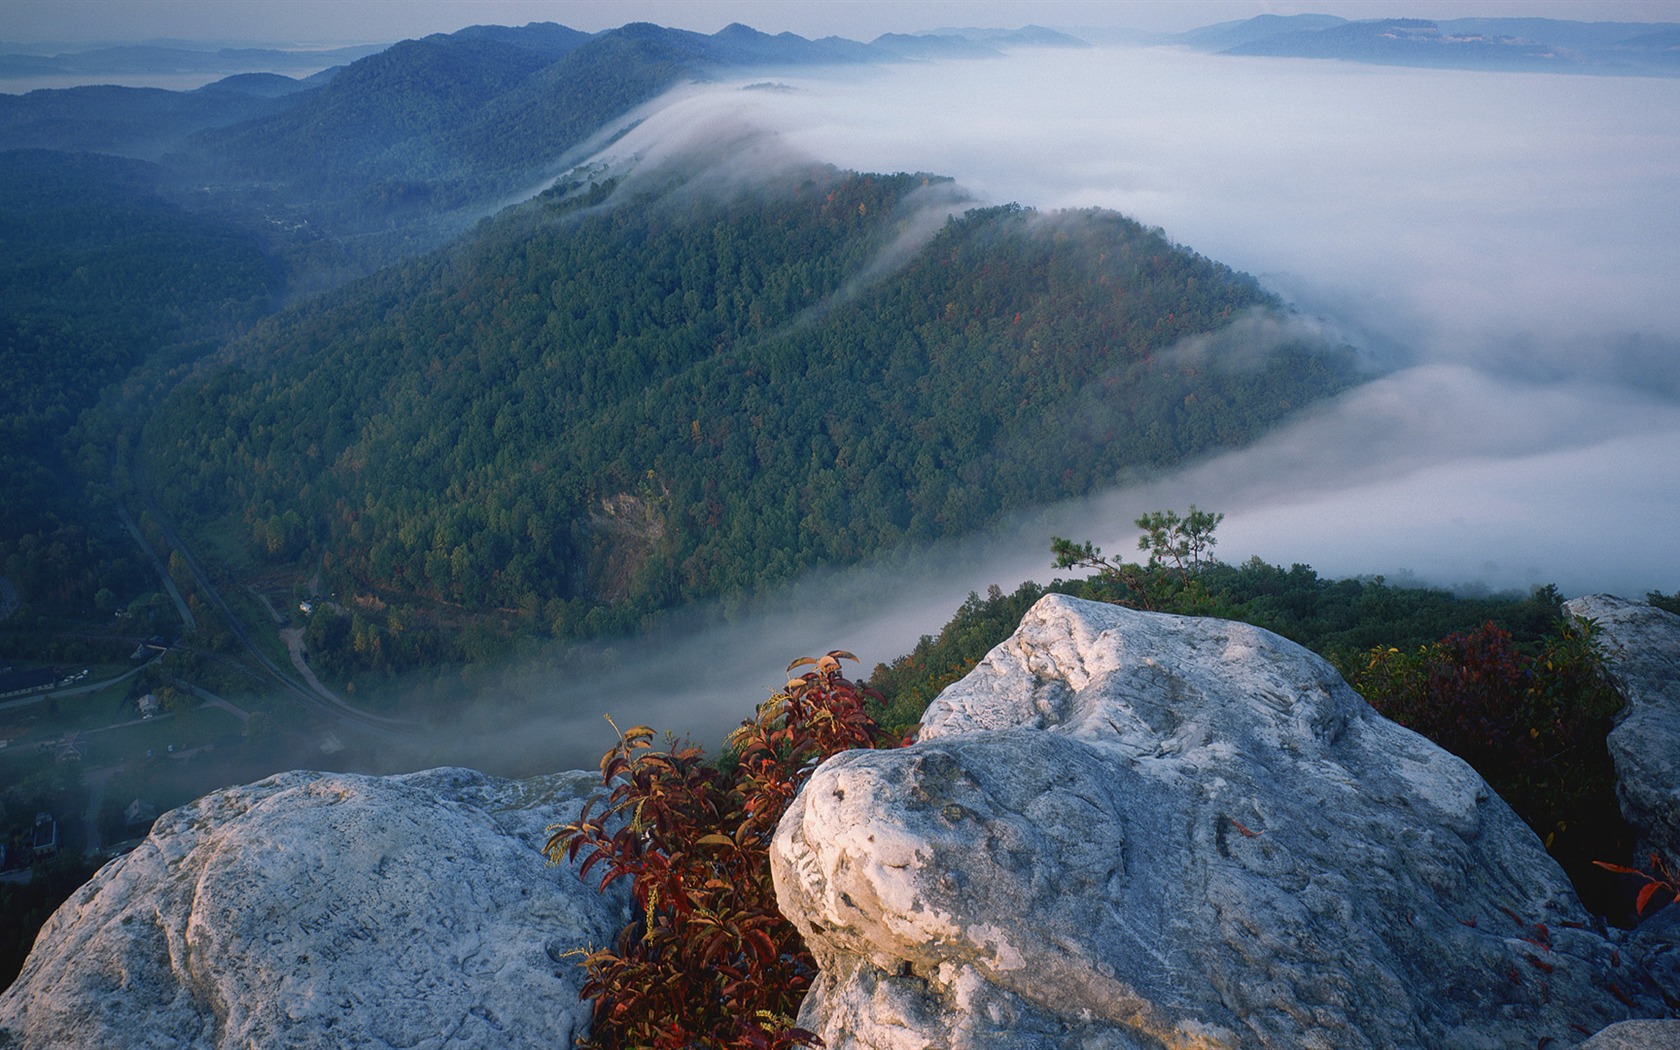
398, 141
98, 273
392, 153
595, 410
142, 123
385, 113
142, 227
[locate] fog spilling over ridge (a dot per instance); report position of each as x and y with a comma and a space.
1502, 245
1505, 243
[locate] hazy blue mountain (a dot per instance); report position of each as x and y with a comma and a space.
152, 59
546, 38
1405, 41
1516, 44
1026, 36
264, 85
738, 44
425, 127
1223, 35
929, 46
384, 115
405, 147
1578, 36
145, 123
401, 149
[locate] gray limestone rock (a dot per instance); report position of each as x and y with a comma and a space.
1642, 646
1637, 1035
326, 910
1128, 830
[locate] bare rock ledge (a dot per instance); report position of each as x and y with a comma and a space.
315, 910
1126, 831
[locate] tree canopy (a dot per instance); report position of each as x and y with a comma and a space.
610, 403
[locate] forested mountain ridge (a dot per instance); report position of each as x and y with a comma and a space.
610, 403
139, 221
397, 151
603, 404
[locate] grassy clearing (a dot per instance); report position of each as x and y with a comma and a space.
185, 730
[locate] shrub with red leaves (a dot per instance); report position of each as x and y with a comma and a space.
1532, 724
709, 961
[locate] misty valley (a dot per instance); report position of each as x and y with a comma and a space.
420, 411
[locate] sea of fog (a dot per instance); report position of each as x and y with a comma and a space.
1507, 246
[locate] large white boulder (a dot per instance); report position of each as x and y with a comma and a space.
326, 910
1132, 830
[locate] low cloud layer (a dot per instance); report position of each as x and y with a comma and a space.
1504, 244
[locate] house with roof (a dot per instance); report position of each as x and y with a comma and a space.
22, 683
45, 838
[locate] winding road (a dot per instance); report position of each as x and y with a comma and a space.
313, 695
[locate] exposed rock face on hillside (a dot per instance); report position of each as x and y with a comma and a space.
324, 910
1643, 643
1127, 830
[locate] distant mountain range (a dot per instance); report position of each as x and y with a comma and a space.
152, 59
1515, 44
406, 145
734, 45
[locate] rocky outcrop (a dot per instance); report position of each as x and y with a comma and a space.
1637, 1035
1127, 830
1643, 648
1123, 831
325, 910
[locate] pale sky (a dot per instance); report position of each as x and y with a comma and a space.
330, 22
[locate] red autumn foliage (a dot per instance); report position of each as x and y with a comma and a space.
709, 961
1660, 884
1532, 722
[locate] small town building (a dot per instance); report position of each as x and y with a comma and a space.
45, 839
22, 683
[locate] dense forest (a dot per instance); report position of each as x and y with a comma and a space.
610, 402
142, 228
99, 272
